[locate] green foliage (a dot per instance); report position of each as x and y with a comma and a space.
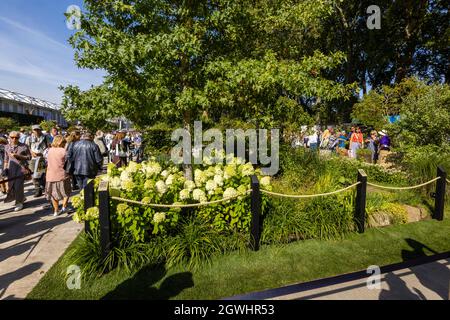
301, 168
175, 61
93, 108
320, 218
421, 163
8, 124
158, 139
47, 125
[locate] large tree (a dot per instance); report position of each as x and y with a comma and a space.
177, 60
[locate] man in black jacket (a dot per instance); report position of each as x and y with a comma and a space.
86, 159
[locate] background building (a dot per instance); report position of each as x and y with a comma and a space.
28, 110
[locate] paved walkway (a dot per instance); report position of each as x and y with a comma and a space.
427, 281
31, 241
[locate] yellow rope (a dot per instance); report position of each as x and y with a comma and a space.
156, 205
403, 188
448, 181
308, 195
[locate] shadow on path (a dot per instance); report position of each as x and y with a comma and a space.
434, 276
7, 279
142, 286
22, 226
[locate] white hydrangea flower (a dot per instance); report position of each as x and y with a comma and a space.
210, 185
115, 182
229, 171
127, 185
152, 168
133, 167
207, 161
230, 192
247, 169
199, 195
170, 179
92, 213
199, 177
165, 174
218, 170
265, 181
161, 187
210, 172
159, 217
185, 194
190, 185
218, 179
125, 175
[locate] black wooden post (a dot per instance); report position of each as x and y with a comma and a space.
256, 214
360, 207
440, 194
89, 202
105, 223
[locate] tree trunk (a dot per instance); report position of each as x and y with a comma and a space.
188, 170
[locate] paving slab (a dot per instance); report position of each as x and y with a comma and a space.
429, 281
31, 241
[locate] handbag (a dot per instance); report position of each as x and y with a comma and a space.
27, 173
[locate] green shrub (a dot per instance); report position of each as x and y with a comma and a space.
318, 218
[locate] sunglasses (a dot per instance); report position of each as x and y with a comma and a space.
14, 137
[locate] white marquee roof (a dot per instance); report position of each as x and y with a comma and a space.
10, 95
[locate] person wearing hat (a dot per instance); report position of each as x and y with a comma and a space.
39, 143
385, 146
16, 157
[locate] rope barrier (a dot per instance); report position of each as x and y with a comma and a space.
309, 195
156, 205
403, 188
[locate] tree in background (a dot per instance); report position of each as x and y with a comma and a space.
8, 124
47, 125
174, 61
177, 61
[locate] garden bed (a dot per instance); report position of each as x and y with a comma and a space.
243, 272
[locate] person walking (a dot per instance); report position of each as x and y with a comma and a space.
101, 143
39, 143
356, 142
120, 147
73, 137
58, 186
313, 140
3, 144
86, 159
372, 145
385, 146
342, 141
16, 157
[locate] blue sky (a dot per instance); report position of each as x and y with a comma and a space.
35, 56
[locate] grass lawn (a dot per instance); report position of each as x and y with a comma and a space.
271, 267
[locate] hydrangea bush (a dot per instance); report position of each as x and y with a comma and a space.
150, 182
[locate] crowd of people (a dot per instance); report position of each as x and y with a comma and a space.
346, 143
59, 162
